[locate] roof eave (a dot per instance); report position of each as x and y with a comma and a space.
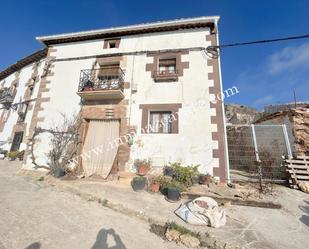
147, 28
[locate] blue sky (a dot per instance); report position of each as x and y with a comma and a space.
264, 74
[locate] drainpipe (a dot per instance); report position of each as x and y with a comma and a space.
227, 163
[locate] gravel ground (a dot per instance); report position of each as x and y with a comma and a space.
35, 217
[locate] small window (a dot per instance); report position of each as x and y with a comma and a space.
112, 44
31, 90
160, 122
167, 66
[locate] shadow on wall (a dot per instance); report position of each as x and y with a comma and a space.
101, 241
305, 218
35, 245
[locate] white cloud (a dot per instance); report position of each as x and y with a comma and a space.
289, 58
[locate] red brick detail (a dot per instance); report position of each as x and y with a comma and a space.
180, 65
218, 136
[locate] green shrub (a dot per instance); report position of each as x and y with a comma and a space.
139, 179
184, 174
176, 185
13, 154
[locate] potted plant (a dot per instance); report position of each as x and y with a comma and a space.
155, 184
88, 86
184, 173
205, 179
173, 191
142, 166
138, 183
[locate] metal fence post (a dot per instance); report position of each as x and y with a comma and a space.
287, 141
255, 144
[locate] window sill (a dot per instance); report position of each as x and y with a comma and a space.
166, 78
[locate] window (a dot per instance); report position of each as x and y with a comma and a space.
160, 118
111, 43
160, 122
30, 91
167, 66
22, 112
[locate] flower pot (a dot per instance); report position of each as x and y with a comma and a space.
88, 88
142, 170
154, 187
138, 185
173, 194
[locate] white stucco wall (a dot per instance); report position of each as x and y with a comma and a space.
193, 144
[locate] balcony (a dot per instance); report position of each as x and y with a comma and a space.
101, 84
6, 96
165, 75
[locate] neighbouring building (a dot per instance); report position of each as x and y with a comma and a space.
20, 83
154, 82
296, 121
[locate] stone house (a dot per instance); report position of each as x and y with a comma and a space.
151, 87
297, 123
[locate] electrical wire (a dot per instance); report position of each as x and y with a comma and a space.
263, 41
213, 51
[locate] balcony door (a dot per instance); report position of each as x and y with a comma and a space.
100, 147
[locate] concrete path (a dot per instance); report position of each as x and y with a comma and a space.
34, 215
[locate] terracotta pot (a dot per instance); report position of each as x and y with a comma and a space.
142, 170
205, 180
88, 88
154, 187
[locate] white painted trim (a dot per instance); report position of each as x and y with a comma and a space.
227, 162
202, 19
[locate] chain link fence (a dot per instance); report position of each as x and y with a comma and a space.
256, 152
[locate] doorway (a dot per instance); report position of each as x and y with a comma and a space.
100, 147
18, 138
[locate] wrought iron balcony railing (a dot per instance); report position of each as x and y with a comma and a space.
101, 79
6, 95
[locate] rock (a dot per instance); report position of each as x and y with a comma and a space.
227, 204
189, 241
172, 235
304, 186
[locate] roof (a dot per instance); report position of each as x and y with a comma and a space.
186, 23
36, 56
292, 111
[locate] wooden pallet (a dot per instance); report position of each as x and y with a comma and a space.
298, 169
